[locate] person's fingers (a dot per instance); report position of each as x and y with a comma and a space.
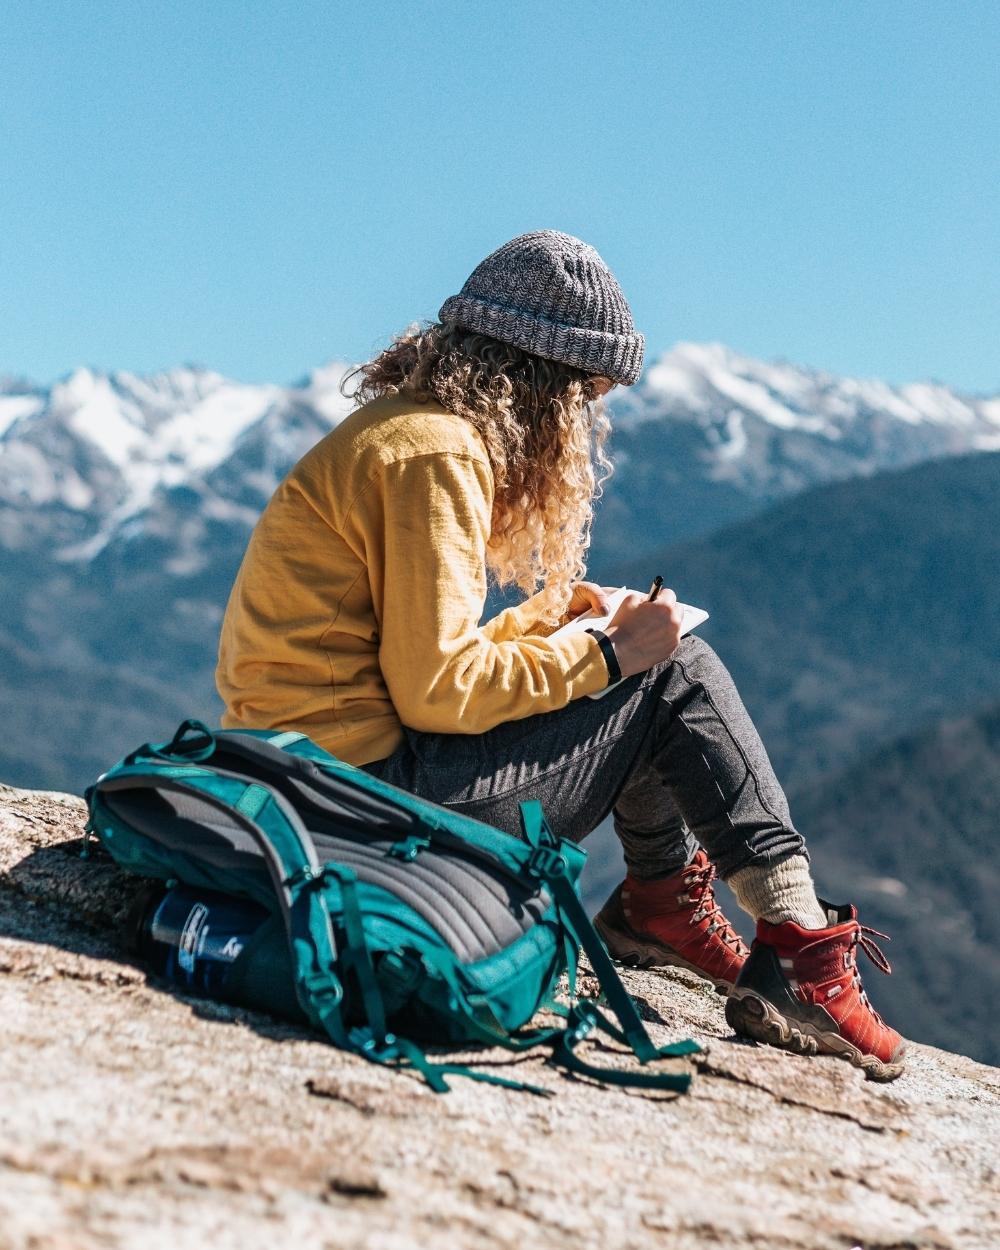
666, 595
588, 595
598, 597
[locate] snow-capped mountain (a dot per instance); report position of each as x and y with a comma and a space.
709, 437
706, 436
771, 429
81, 462
698, 380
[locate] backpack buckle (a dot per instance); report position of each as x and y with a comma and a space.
369, 1044
409, 848
324, 990
547, 862
308, 877
304, 876
581, 1024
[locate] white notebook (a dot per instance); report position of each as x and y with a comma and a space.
693, 617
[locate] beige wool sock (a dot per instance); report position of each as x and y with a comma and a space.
779, 892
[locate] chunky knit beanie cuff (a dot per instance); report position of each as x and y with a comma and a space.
617, 356
551, 294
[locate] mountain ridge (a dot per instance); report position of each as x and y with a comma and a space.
852, 612
85, 458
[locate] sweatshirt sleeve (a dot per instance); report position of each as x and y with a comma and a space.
424, 523
516, 621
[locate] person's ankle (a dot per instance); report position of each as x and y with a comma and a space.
779, 891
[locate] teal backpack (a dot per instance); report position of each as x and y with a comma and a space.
392, 923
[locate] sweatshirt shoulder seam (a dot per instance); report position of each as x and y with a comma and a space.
417, 455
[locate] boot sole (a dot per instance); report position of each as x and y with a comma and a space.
636, 952
751, 1016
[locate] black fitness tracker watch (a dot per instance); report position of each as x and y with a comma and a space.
608, 651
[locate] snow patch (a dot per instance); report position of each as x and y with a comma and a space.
203, 436
88, 405
937, 403
694, 376
15, 407
989, 410
737, 441
322, 392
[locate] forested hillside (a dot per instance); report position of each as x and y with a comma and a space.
854, 612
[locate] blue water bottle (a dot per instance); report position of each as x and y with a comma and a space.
214, 946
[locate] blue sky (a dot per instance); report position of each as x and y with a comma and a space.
261, 187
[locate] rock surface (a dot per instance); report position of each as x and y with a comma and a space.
131, 1116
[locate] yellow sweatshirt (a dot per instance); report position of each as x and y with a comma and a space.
356, 609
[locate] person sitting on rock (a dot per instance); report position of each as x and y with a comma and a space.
476, 446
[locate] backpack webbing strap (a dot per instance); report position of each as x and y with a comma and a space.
353, 949
375, 1042
378, 1045
307, 918
548, 863
583, 1019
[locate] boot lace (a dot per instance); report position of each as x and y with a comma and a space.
700, 891
862, 937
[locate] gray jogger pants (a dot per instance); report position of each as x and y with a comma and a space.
672, 752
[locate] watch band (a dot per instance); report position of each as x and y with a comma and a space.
610, 658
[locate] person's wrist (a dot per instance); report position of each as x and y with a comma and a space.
623, 651
610, 655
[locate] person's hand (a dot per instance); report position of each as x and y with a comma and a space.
644, 633
587, 595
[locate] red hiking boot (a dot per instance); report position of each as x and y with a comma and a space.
800, 989
673, 922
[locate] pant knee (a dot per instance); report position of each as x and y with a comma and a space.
696, 656
695, 650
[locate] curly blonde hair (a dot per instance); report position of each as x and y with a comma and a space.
544, 426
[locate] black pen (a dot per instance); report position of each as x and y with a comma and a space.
655, 589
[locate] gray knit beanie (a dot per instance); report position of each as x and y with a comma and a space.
552, 295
